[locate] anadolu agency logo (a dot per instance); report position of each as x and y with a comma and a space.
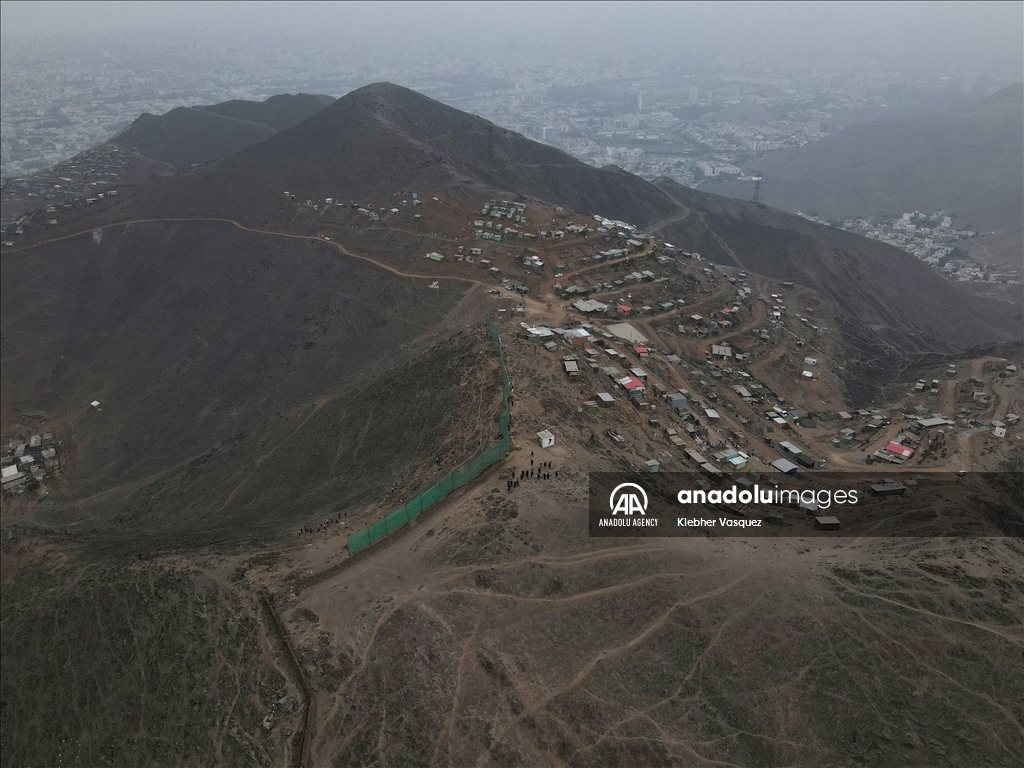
630, 501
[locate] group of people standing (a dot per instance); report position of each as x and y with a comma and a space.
322, 526
542, 471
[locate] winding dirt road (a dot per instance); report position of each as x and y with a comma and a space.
239, 225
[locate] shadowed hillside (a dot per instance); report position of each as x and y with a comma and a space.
196, 135
189, 334
889, 298
968, 163
383, 138
369, 443
279, 112
91, 650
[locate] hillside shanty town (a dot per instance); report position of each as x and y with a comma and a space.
675, 363
27, 465
671, 361
685, 365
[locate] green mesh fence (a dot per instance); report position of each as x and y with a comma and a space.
454, 479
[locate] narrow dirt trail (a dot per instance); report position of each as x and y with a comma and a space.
662, 223
244, 228
610, 653
272, 450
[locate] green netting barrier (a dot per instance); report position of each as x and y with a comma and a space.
454, 479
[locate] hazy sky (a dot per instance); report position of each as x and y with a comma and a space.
962, 30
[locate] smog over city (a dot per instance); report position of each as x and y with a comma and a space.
511, 384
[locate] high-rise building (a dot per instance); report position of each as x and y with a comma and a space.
632, 101
694, 93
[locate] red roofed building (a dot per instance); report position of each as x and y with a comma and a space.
900, 450
624, 309
640, 350
632, 384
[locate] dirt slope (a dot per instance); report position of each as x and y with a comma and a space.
191, 333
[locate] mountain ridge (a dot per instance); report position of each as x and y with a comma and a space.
229, 402
383, 141
383, 137
187, 136
967, 162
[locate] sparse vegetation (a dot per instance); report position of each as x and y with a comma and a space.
276, 371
